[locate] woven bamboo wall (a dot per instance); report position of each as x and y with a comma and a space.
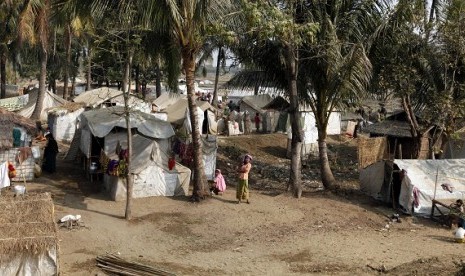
371, 150
25, 171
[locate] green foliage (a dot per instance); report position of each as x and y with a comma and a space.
278, 21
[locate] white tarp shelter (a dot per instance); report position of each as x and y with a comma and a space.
50, 100
310, 144
96, 97
421, 182
165, 100
151, 149
62, 121
177, 111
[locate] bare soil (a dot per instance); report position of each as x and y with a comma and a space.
323, 233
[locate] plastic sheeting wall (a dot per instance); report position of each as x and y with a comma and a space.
32, 264
63, 126
150, 167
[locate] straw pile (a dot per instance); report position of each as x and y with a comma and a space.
27, 225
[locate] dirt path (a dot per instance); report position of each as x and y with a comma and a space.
321, 233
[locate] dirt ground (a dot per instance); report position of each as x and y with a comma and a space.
323, 233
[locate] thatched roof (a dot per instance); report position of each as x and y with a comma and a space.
389, 128
27, 225
10, 120
68, 107
278, 103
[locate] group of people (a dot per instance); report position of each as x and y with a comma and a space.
242, 188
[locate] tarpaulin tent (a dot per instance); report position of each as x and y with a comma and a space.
105, 95
419, 182
62, 120
165, 100
50, 100
151, 150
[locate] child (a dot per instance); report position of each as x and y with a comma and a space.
219, 185
242, 191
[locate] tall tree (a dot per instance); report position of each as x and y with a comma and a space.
42, 12
187, 23
284, 26
16, 20
335, 69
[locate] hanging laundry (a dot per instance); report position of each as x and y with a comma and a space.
4, 177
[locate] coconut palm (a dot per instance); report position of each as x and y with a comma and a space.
187, 22
336, 68
16, 18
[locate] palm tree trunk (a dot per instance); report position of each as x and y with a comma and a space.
158, 79
67, 61
188, 60
217, 76
129, 177
2, 74
42, 80
137, 79
295, 178
89, 68
327, 176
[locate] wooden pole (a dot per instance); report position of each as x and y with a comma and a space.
436, 182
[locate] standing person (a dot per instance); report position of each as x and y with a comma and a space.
242, 191
257, 121
50, 154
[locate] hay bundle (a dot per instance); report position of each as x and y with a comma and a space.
27, 226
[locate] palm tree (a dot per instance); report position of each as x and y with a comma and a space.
336, 69
42, 12
187, 23
16, 20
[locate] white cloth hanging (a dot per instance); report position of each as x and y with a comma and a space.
4, 178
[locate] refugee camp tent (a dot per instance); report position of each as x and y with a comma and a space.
14, 103
310, 143
209, 149
110, 97
28, 236
165, 100
96, 97
276, 115
50, 100
151, 150
16, 133
62, 120
177, 114
414, 183
255, 104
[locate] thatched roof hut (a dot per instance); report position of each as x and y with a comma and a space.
10, 120
28, 236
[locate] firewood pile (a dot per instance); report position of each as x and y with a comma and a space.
115, 265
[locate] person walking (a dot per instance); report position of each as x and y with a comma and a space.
50, 154
257, 121
242, 191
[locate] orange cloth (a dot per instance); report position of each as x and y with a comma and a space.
245, 169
